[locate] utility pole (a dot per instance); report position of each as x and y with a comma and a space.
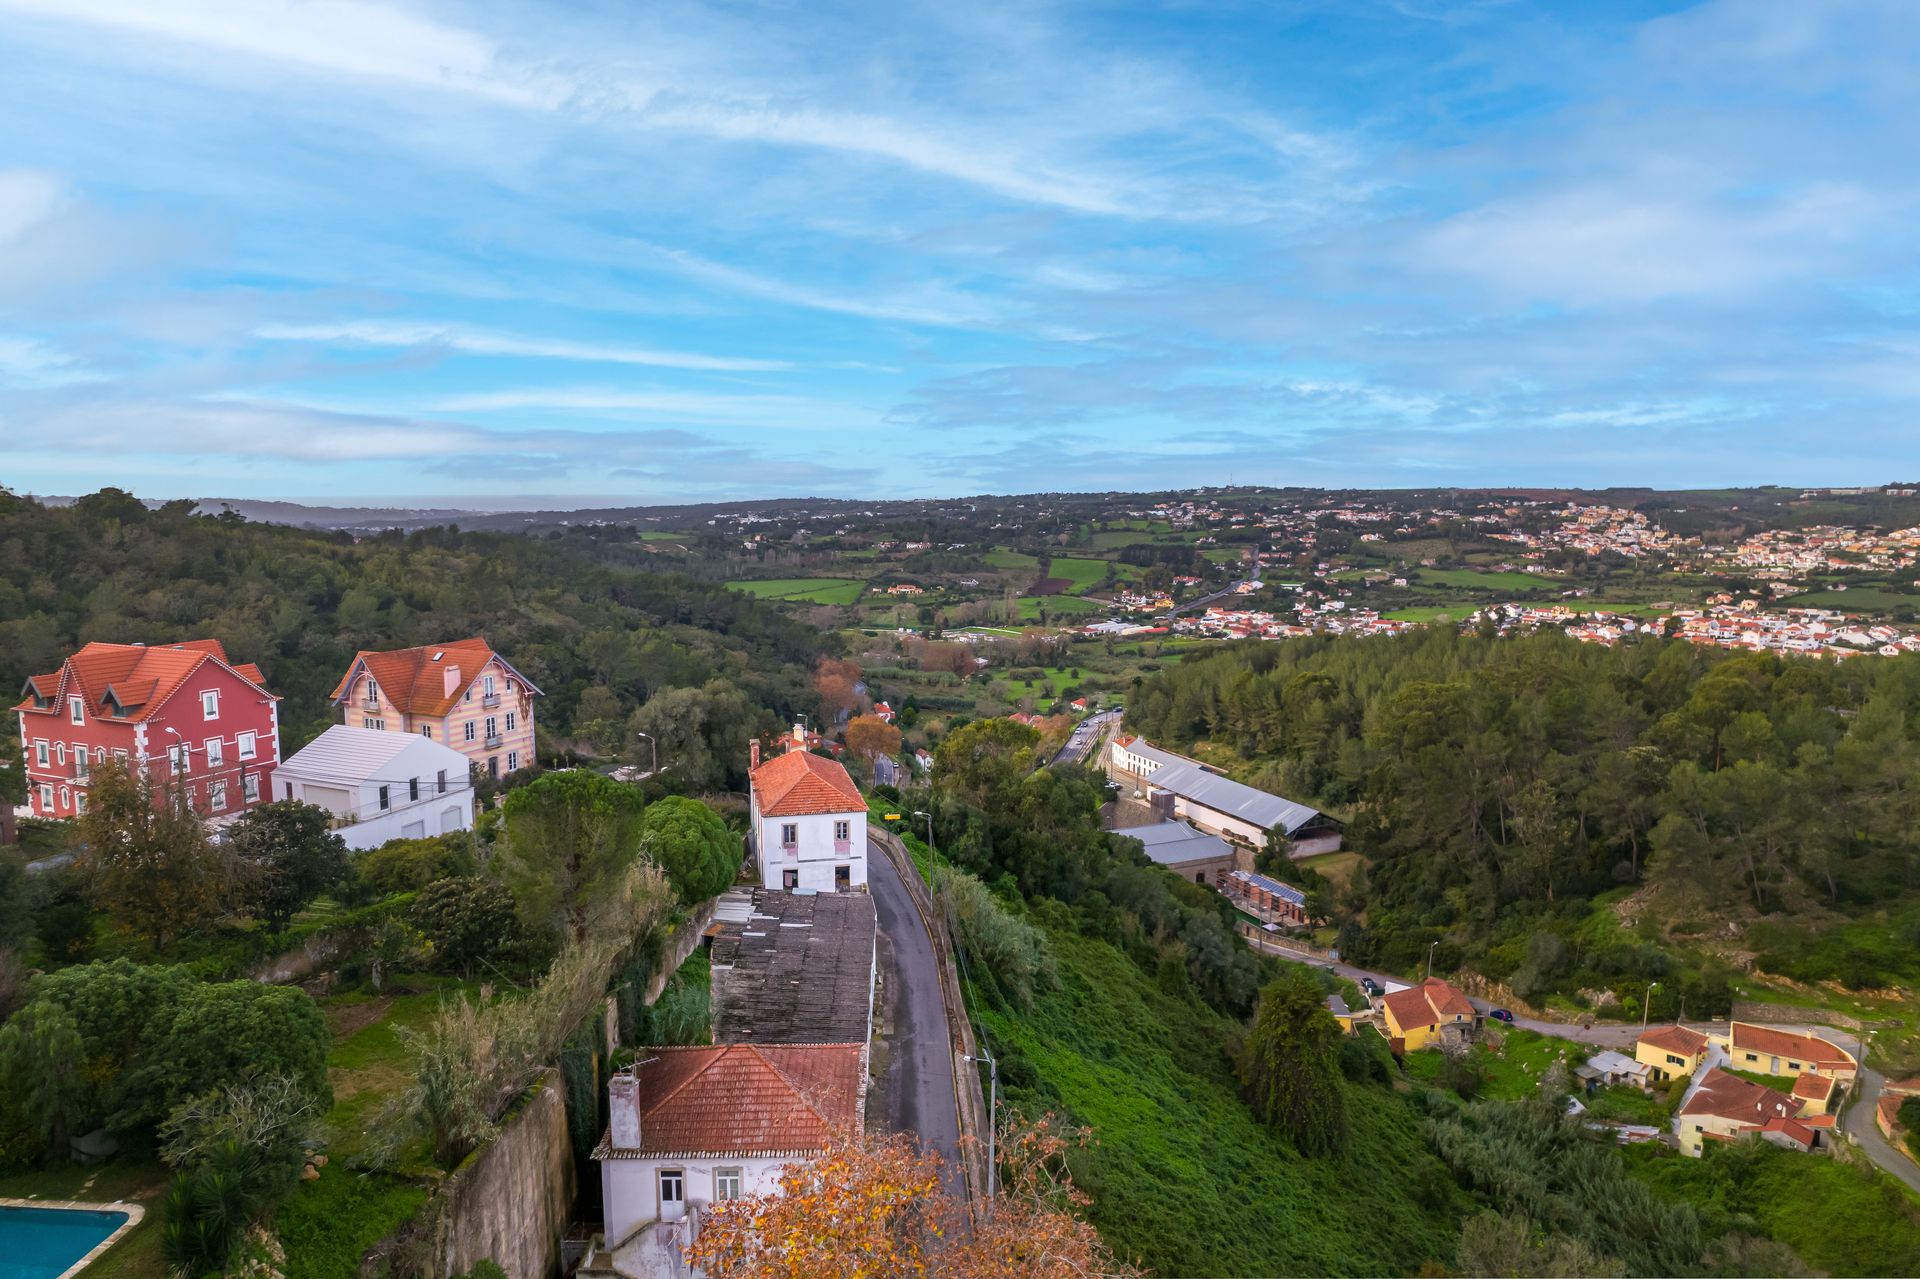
993, 1116
935, 853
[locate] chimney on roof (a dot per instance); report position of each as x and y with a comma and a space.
623, 1111
799, 742
753, 753
451, 680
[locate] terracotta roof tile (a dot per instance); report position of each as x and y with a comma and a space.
745, 1099
800, 783
1728, 1096
1813, 1087
414, 679
1747, 1037
1675, 1039
142, 676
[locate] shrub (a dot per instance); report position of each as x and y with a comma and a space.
1008, 955
229, 1031
290, 856
465, 920
408, 865
208, 1209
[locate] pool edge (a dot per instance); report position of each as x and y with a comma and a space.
135, 1212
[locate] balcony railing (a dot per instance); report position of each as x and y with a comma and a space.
842, 845
490, 701
494, 740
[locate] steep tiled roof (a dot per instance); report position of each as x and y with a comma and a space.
1813, 1087
1728, 1096
745, 1099
1675, 1039
1427, 1004
1806, 1049
414, 679
800, 783
141, 676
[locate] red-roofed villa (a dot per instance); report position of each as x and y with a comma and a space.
809, 821
461, 694
181, 714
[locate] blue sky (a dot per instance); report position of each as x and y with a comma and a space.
640, 250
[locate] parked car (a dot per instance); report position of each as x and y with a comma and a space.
1369, 985
1501, 1014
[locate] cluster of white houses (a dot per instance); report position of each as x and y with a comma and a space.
205, 729
792, 963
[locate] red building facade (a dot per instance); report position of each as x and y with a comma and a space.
182, 714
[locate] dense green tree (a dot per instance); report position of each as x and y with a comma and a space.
1290, 1064
289, 854
408, 865
147, 860
43, 1065
465, 920
690, 842
568, 837
234, 1030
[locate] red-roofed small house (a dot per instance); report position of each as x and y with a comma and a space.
1769, 1051
809, 821
1426, 1014
1725, 1107
688, 1127
181, 714
461, 694
1672, 1052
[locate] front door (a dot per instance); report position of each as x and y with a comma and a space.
790, 878
842, 878
673, 1194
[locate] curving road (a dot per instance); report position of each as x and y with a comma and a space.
917, 1090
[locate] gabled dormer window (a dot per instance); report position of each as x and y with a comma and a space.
77, 709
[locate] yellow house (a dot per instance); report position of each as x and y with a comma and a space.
1672, 1052
1425, 1014
1767, 1051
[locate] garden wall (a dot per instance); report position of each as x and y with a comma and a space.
512, 1200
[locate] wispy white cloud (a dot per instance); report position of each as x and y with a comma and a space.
688, 406
28, 363
470, 341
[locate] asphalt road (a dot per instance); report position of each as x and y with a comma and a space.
1087, 736
917, 1090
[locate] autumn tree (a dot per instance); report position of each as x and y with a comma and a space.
837, 681
1290, 1064
568, 837
870, 737
880, 1208
147, 860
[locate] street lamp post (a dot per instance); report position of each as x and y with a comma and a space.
993, 1115
1646, 1009
930, 848
656, 751
1430, 950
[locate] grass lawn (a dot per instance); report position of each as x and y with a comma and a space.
141, 1181
1338, 867
807, 590
662, 535
1860, 599
1010, 559
1625, 1104
1083, 574
1114, 539
1051, 685
1469, 579
1057, 606
1221, 555
1779, 1083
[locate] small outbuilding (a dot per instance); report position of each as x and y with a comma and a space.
380, 785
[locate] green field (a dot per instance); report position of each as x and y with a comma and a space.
662, 535
1010, 559
1084, 574
1469, 579
1148, 1073
1861, 599
1220, 555
803, 590
1429, 613
1056, 606
1114, 539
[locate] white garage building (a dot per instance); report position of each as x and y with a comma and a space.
380, 786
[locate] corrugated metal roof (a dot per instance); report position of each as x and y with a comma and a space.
1176, 843
1224, 795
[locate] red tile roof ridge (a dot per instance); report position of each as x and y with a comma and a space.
800, 783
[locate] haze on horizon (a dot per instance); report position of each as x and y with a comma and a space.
359, 250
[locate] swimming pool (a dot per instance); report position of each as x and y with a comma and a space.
43, 1243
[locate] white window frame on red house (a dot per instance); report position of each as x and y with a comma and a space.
66, 797
40, 757
77, 709
250, 788
80, 761
60, 754
79, 803
217, 796
210, 704
46, 797
180, 756
216, 748
247, 744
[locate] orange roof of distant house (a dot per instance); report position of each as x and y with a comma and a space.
414, 679
799, 783
1807, 1049
1675, 1039
1728, 1096
745, 1099
1427, 1004
132, 681
1814, 1087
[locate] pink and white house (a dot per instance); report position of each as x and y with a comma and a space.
463, 695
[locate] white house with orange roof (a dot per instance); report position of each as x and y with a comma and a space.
808, 821
462, 694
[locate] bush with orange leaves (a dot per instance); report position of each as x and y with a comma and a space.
877, 1209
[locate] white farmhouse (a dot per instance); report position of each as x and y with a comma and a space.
691, 1127
379, 785
809, 822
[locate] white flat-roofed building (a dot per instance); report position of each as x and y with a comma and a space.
380, 785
